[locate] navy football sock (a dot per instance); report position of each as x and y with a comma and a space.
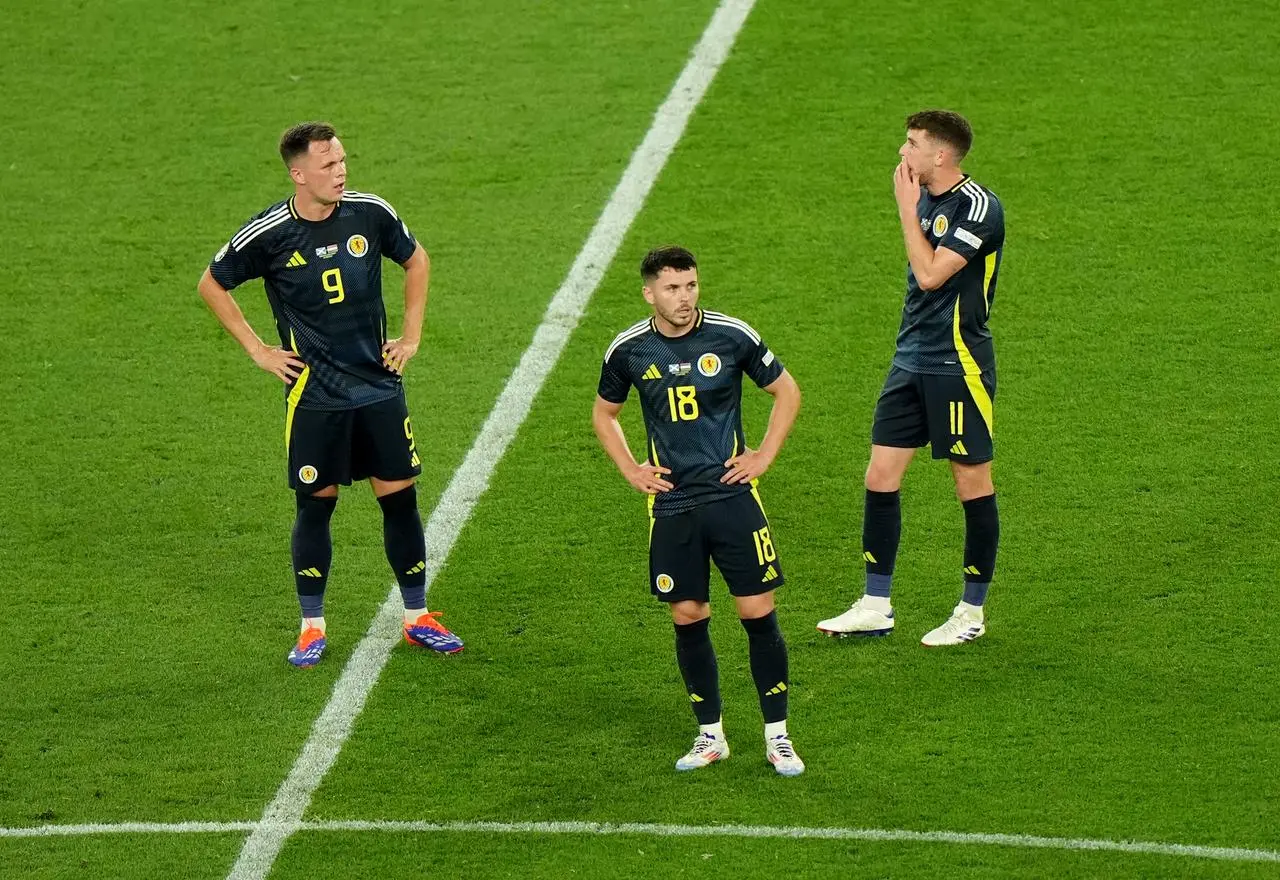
768, 652
697, 660
981, 538
312, 550
881, 532
405, 545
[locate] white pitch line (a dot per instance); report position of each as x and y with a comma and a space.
95, 828
330, 731
870, 835
891, 835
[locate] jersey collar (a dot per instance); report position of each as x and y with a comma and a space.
293, 212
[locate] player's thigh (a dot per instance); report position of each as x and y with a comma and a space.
742, 546
318, 444
900, 419
679, 567
961, 409
382, 442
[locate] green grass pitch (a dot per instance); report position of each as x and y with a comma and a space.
1128, 685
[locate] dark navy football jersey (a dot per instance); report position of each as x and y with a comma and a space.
945, 330
690, 391
324, 282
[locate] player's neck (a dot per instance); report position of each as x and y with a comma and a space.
945, 180
310, 209
671, 330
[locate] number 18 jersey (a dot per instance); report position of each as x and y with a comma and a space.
690, 391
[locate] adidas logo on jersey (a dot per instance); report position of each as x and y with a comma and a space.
295, 261
652, 373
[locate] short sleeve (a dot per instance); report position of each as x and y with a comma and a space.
760, 363
615, 384
397, 241
977, 228
231, 267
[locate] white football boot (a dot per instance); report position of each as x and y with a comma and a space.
861, 620
964, 625
707, 749
782, 755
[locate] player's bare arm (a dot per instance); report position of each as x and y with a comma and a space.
751, 463
417, 273
931, 268
272, 358
646, 478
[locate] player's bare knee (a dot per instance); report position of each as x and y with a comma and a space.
382, 488
972, 480
884, 476
879, 481
887, 467
326, 492
684, 613
752, 607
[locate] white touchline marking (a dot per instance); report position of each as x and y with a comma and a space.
870, 835
331, 729
95, 828
801, 833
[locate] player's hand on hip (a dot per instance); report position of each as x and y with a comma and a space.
745, 467
648, 478
281, 362
906, 188
396, 354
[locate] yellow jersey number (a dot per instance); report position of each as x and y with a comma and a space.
764, 546
332, 281
683, 403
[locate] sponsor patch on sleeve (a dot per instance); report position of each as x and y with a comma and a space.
768, 357
968, 237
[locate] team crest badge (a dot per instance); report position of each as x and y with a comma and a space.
222, 253
709, 364
307, 474
940, 225
357, 245
664, 583
327, 251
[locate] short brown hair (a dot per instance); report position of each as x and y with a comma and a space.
944, 125
298, 139
669, 257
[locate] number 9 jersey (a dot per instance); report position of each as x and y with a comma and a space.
324, 282
690, 391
